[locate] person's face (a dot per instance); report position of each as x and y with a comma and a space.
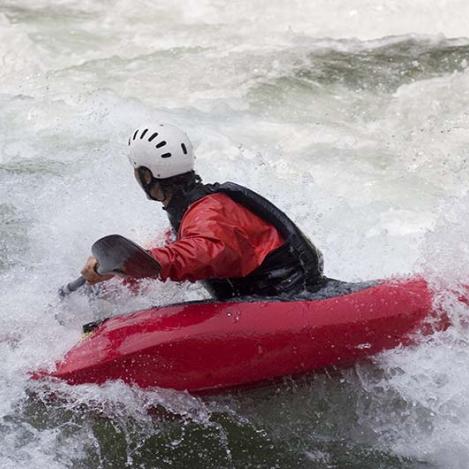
144, 179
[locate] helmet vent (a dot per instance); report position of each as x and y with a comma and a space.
135, 135
184, 149
161, 144
143, 133
153, 136
166, 155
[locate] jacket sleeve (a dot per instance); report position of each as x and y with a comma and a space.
210, 245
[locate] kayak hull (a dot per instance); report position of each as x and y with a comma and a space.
202, 346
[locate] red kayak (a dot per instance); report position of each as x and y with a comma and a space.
201, 346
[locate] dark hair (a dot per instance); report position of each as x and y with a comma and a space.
184, 182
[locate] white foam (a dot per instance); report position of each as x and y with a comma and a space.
375, 175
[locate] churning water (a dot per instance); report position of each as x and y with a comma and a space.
353, 116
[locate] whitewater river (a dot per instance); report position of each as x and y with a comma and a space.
353, 116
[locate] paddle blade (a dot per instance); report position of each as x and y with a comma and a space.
116, 254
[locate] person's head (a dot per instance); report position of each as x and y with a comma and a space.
163, 160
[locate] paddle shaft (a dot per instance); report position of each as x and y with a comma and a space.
72, 286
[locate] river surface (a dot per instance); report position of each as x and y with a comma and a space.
352, 116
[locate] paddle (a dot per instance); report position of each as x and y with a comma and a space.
117, 255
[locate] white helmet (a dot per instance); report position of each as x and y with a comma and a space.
164, 149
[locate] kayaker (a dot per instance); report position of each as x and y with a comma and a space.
232, 239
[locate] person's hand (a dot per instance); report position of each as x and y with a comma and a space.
90, 274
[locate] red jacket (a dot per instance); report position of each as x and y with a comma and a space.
218, 238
